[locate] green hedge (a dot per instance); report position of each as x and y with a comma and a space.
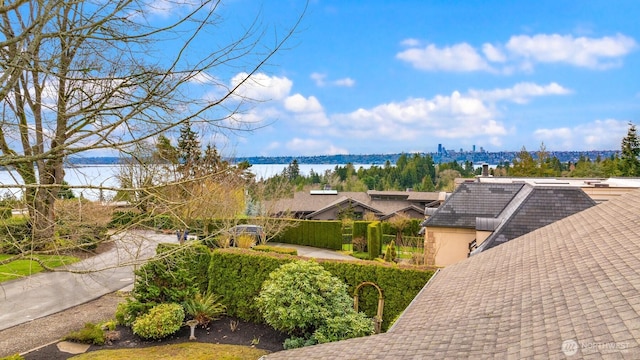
15, 234
276, 249
5, 213
374, 239
360, 229
238, 274
321, 234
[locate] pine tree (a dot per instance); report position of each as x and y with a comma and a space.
188, 151
630, 154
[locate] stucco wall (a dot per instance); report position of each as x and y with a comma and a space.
446, 246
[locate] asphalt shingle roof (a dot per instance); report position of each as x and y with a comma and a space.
473, 200
572, 285
541, 206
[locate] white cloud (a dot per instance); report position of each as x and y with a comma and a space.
459, 58
262, 87
314, 147
318, 78
520, 93
298, 103
166, 8
346, 82
410, 42
595, 53
493, 54
306, 110
521, 52
455, 116
202, 78
598, 134
321, 80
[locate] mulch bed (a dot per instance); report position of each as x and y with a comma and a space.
219, 332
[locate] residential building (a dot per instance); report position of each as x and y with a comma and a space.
332, 204
479, 216
567, 290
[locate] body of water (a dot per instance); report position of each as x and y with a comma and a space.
107, 176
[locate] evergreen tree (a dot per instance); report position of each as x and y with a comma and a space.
630, 154
189, 150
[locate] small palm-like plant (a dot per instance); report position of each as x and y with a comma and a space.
204, 308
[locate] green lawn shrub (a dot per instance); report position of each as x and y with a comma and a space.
89, 334
161, 321
276, 249
237, 275
304, 300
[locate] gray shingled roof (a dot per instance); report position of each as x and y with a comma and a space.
542, 206
577, 279
473, 200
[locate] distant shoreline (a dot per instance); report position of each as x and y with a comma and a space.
492, 158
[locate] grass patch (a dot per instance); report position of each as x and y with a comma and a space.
184, 351
20, 268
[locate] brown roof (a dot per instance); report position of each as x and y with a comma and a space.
572, 286
305, 202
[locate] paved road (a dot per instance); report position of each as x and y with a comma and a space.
48, 293
312, 252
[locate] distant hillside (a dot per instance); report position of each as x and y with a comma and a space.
492, 158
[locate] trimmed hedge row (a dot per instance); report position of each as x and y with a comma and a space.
321, 234
276, 249
238, 274
374, 239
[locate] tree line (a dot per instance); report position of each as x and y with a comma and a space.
419, 172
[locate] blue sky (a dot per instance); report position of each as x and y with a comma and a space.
379, 76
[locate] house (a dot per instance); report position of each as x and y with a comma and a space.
332, 205
569, 290
479, 216
599, 189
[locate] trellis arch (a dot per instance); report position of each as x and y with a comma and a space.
377, 320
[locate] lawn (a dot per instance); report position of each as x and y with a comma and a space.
191, 351
404, 252
21, 268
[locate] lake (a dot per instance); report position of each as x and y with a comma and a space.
106, 176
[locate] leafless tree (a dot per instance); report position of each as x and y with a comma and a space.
87, 75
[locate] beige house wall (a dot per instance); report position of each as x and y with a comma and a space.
447, 246
481, 236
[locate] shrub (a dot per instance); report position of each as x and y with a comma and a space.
359, 244
161, 321
353, 324
390, 254
90, 334
5, 212
127, 312
244, 241
304, 300
204, 308
179, 273
15, 236
276, 249
237, 275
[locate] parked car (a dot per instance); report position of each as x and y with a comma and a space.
255, 231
